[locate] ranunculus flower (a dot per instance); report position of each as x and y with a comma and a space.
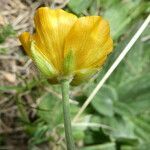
65, 45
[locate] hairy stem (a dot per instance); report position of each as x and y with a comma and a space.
66, 112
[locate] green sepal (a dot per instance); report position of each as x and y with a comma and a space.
69, 63
41, 62
84, 75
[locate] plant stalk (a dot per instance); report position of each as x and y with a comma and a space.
66, 112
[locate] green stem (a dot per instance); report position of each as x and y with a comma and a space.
66, 112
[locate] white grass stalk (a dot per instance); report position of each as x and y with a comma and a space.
93, 125
113, 67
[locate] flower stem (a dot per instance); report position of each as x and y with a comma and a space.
66, 111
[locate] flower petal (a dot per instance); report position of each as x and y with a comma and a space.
25, 41
106, 49
52, 26
87, 39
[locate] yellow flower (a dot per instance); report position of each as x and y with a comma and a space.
64, 44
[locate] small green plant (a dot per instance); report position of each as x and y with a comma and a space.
3, 50
6, 31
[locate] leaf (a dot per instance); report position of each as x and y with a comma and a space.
142, 128
6, 31
135, 87
122, 129
107, 146
127, 147
7, 88
107, 4
142, 146
103, 101
78, 134
123, 109
127, 12
37, 132
140, 103
79, 6
50, 110
115, 18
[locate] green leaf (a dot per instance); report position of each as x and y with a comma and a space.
37, 132
115, 18
107, 146
123, 109
142, 128
103, 101
127, 147
127, 13
50, 110
134, 87
122, 129
140, 103
142, 146
79, 6
78, 134
6, 31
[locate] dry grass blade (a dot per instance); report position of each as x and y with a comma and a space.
113, 67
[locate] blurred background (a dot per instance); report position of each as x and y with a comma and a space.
118, 118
